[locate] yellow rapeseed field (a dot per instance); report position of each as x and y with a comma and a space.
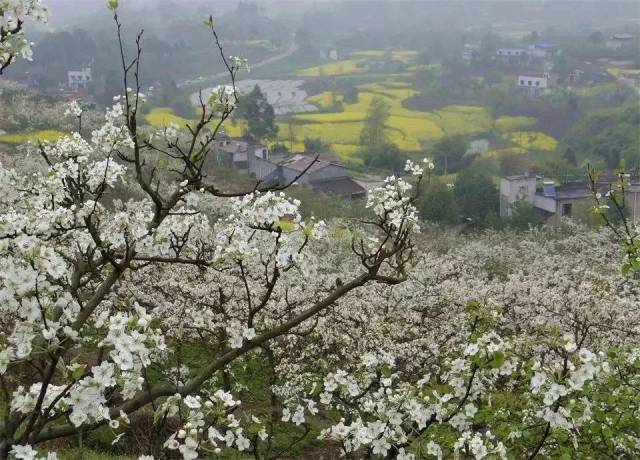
332, 69
619, 72
162, 117
325, 100
408, 129
22, 138
532, 140
507, 123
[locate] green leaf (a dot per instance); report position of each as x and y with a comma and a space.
498, 360
286, 226
208, 22
112, 4
78, 372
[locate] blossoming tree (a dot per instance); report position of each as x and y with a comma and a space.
13, 43
136, 290
78, 351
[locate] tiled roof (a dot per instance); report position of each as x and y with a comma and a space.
302, 162
343, 186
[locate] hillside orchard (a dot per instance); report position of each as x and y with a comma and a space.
136, 294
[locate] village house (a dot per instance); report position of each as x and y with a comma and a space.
588, 73
620, 40
533, 84
569, 199
79, 79
232, 153
470, 52
540, 50
511, 52
512, 55
324, 175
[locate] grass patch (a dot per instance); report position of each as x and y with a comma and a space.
91, 455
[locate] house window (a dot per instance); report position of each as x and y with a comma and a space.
529, 82
522, 82
537, 83
566, 210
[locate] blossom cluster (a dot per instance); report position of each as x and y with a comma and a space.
13, 13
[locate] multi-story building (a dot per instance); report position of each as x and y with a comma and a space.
569, 199
79, 79
533, 84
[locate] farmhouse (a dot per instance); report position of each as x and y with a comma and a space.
324, 175
569, 199
237, 154
321, 175
79, 79
533, 84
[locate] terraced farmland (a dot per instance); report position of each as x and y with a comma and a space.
407, 128
339, 123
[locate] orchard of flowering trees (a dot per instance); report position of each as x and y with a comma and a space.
137, 295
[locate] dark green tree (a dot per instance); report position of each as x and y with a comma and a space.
316, 145
476, 196
611, 134
260, 116
279, 147
524, 216
373, 136
387, 157
596, 37
449, 152
378, 151
438, 203
570, 156
351, 94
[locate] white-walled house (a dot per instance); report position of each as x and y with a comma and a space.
79, 79
511, 52
570, 199
533, 84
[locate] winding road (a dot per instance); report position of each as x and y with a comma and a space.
223, 75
